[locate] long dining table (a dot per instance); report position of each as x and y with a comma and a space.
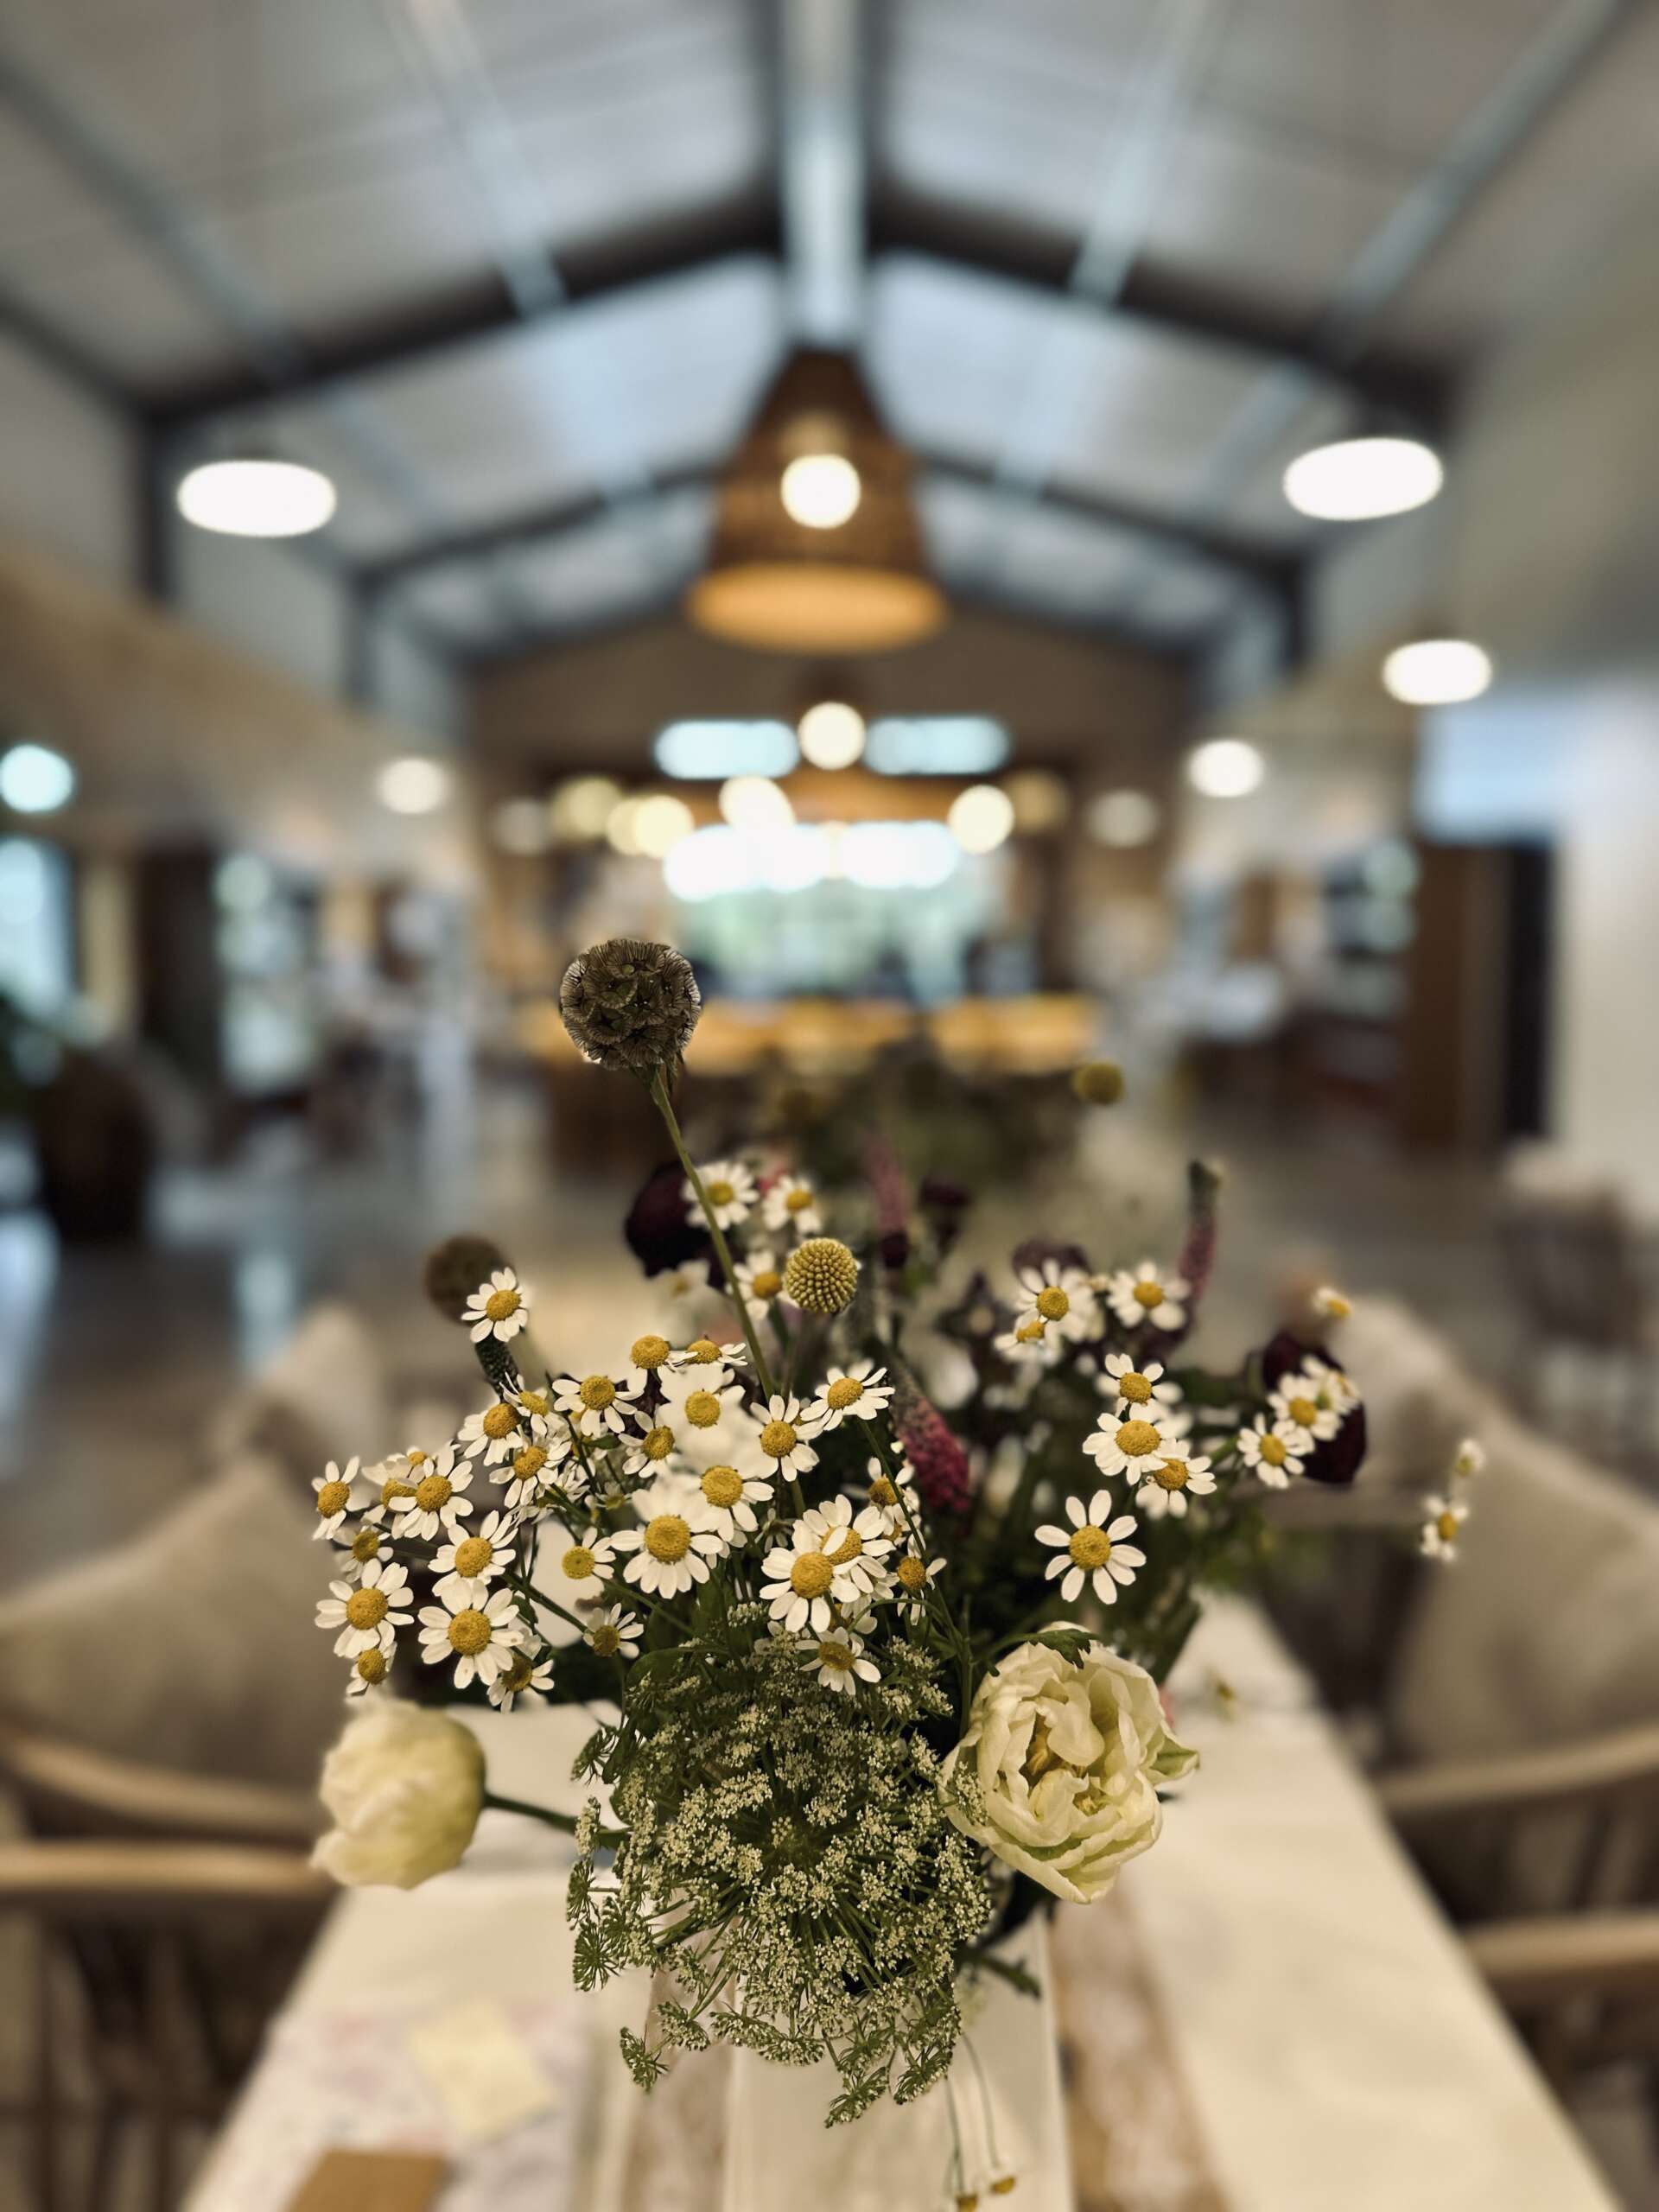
1269, 2015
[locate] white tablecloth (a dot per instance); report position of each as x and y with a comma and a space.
1336, 2053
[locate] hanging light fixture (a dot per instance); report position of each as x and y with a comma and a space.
252, 495
1437, 671
1356, 479
817, 546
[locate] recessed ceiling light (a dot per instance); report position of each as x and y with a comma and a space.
937, 745
256, 498
34, 779
831, 733
1124, 819
1225, 767
413, 785
981, 818
755, 803
712, 751
1437, 672
819, 491
1356, 479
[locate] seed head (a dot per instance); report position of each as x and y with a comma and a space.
631, 1005
820, 1276
454, 1268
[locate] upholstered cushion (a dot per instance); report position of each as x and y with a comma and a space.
193, 1646
1421, 1401
325, 1395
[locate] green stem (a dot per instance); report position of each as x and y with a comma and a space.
544, 1813
664, 1106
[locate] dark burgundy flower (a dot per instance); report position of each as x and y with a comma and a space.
662, 1229
936, 1458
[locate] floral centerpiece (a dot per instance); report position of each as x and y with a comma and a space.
885, 1672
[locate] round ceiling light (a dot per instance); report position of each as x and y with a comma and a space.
755, 803
1437, 672
1225, 767
256, 498
1122, 820
831, 733
413, 785
34, 779
660, 822
981, 817
1356, 479
819, 491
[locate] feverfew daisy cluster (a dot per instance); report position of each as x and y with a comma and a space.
853, 1651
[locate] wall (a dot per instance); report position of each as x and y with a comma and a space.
66, 469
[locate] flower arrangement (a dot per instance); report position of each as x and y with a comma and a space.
885, 1672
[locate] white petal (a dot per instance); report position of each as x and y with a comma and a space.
1075, 1514
1099, 1506
1048, 1534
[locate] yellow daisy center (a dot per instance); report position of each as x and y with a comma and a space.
366, 1608
798, 1199
1148, 1292
501, 1304
392, 1491
912, 1575
371, 1664
469, 1632
597, 1392
648, 1351
846, 1390
833, 1653
768, 1282
883, 1492
1030, 1332
660, 1442
1003, 2185
668, 1538
434, 1492
1053, 1304
1089, 1549
1136, 1388
810, 1575
703, 1352
365, 1546
516, 1676
778, 1439
849, 1548
500, 1421
1136, 1438
472, 1555
1171, 1475
722, 1485
1275, 1451
333, 1498
1303, 1411
417, 1460
536, 1402
720, 1192
1448, 1525
703, 1409
578, 1563
529, 1463
605, 1639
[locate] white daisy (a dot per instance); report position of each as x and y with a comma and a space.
1143, 1298
584, 1567
1093, 1548
595, 1404
532, 1467
677, 1543
704, 1352
337, 1489
801, 1575
912, 1574
783, 1436
861, 1389
439, 1500
1329, 1384
480, 1639
649, 1355
1330, 1304
1170, 1481
492, 1434
365, 1618
1274, 1454
855, 1544
1062, 1296
614, 1633
534, 1405
1442, 1527
1469, 1460
730, 1188
894, 1497
1030, 1343
1130, 1446
760, 1277
498, 1308
369, 1670
839, 1659
649, 1452
731, 1493
1133, 1386
1295, 1401
521, 1677
791, 1204
368, 1544
469, 1563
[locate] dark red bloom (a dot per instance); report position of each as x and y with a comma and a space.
662, 1230
936, 1458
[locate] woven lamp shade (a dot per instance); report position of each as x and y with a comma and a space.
860, 586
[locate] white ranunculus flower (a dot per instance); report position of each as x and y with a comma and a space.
1066, 1762
405, 1787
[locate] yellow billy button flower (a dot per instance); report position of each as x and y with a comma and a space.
821, 1275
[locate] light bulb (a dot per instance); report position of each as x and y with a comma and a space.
820, 490
832, 734
1437, 672
34, 779
1356, 479
413, 785
755, 803
1226, 767
256, 498
981, 817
